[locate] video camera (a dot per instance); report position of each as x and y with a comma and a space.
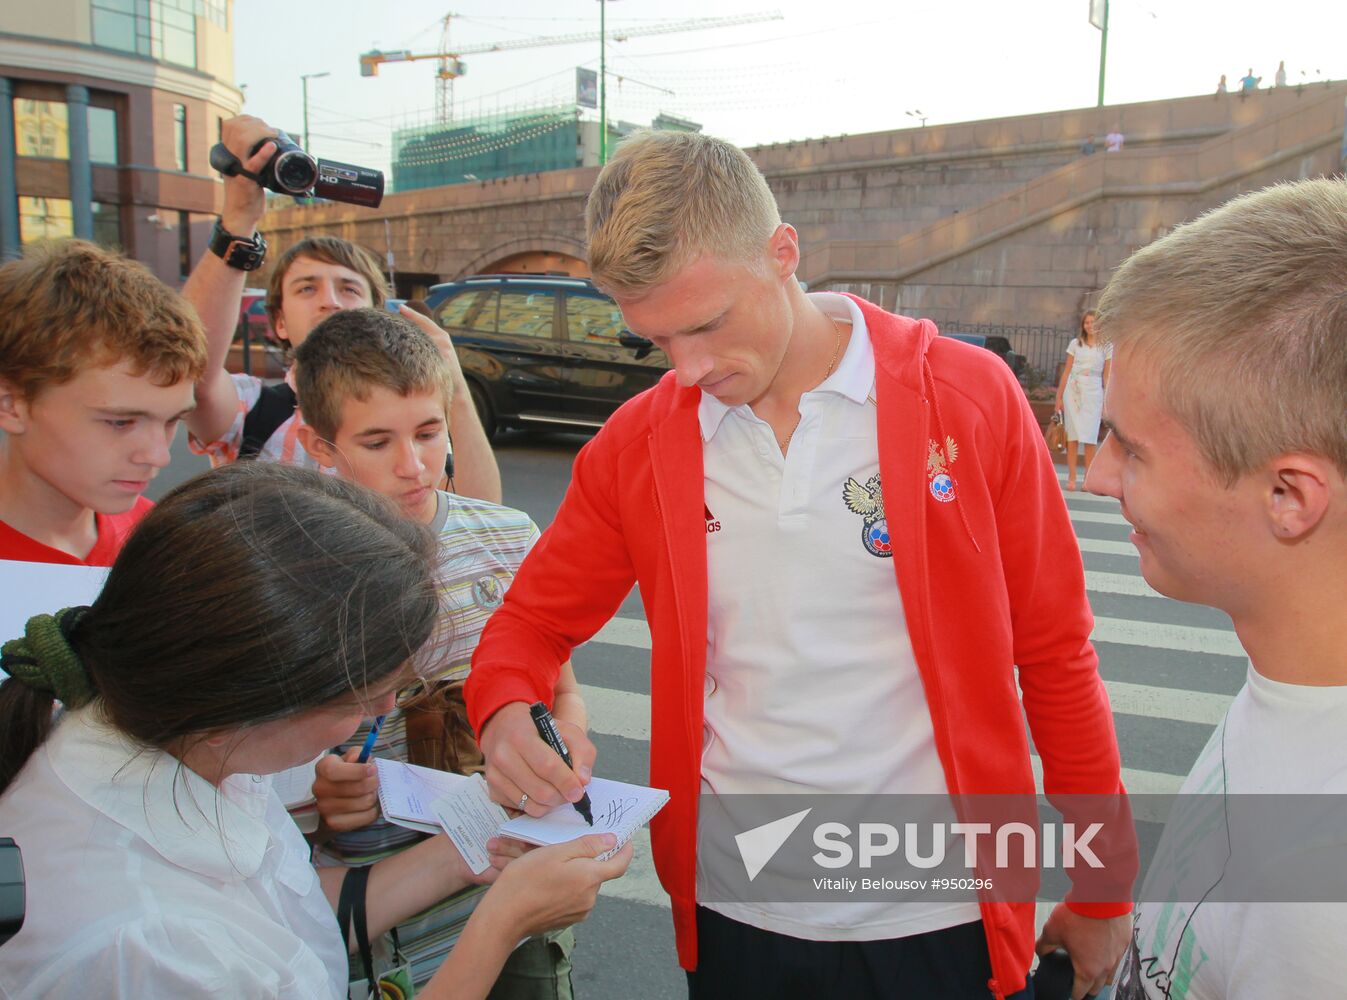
294, 172
11, 889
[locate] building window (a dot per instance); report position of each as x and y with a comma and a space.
160, 29
41, 128
44, 219
216, 11
103, 135
180, 136
107, 225
173, 31
184, 244
114, 24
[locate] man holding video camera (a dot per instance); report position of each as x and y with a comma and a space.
236, 416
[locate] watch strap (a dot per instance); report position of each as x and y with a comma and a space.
239, 252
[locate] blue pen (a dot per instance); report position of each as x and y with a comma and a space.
369, 740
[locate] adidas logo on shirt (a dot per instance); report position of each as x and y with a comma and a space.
712, 525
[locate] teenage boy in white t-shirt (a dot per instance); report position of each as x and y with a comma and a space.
1227, 447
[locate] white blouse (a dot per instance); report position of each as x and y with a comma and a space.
144, 880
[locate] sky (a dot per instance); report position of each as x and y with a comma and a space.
822, 69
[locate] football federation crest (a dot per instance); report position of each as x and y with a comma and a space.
937, 469
868, 502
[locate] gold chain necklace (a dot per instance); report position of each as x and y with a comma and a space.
837, 349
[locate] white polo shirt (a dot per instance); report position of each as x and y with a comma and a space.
144, 880
811, 682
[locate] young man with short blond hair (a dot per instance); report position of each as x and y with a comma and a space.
847, 534
1227, 448
97, 361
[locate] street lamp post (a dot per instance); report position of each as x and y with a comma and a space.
603, 82
1099, 18
304, 79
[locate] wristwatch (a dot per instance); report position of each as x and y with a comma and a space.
239, 252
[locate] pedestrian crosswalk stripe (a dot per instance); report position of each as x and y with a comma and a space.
1174, 704
640, 884
1103, 546
625, 632
1128, 584
1091, 498
1156, 635
1096, 517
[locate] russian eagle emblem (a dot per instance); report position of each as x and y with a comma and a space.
868, 502
938, 462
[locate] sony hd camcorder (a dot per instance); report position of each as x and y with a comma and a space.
294, 172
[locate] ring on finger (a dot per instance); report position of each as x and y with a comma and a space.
523, 801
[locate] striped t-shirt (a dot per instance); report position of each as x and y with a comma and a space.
481, 547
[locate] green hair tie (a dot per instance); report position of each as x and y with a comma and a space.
44, 660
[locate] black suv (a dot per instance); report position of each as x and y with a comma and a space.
1000, 346
543, 351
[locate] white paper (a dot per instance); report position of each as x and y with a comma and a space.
295, 785
619, 808
406, 792
470, 819
28, 588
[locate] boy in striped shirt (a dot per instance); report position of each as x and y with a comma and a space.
374, 395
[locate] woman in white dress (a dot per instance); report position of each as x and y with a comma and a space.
253, 619
1080, 396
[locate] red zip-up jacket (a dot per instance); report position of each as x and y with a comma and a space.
990, 579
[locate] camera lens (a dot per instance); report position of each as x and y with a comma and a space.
295, 172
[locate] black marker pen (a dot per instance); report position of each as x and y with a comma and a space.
547, 729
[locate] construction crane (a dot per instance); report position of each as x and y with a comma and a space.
451, 66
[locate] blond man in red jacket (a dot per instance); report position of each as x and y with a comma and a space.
847, 534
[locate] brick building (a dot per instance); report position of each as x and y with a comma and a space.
108, 110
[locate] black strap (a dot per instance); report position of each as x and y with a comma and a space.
274, 406
351, 909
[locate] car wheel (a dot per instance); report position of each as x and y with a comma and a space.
483, 407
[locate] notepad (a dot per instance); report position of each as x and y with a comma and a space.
470, 818
619, 808
406, 792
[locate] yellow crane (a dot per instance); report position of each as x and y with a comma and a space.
451, 66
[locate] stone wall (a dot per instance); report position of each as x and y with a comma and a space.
1000, 221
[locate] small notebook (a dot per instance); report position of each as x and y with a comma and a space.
619, 808
470, 818
406, 792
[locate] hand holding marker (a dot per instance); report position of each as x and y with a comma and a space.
547, 729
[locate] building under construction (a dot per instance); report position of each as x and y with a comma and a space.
506, 145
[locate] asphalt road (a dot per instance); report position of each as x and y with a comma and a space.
1171, 669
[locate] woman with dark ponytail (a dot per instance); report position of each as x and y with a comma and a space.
251, 622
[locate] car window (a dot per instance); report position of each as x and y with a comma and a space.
472, 309
528, 313
593, 320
